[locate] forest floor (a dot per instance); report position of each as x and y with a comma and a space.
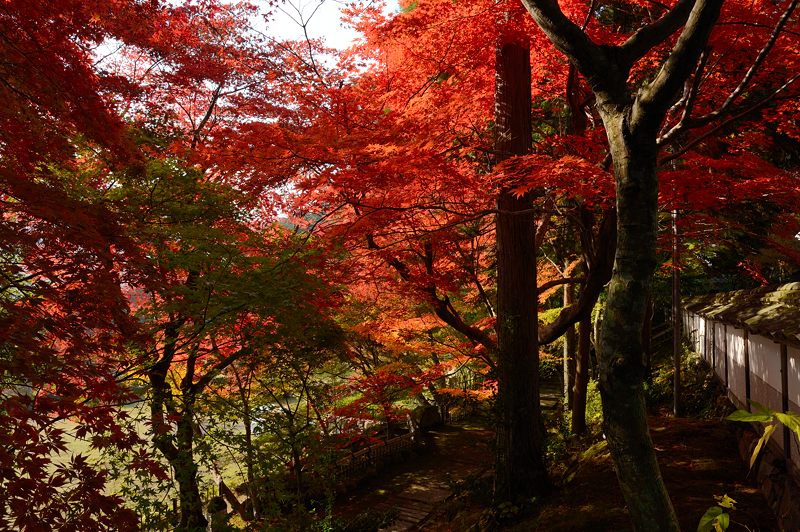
447, 487
698, 458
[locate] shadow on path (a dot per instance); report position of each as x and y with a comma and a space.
416, 486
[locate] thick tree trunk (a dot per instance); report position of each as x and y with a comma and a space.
620, 354
632, 121
581, 376
647, 337
520, 470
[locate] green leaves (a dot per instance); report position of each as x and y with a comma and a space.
715, 517
761, 443
744, 415
410, 7
710, 519
766, 415
790, 420
725, 502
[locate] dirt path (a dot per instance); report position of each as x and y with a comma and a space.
698, 460
417, 487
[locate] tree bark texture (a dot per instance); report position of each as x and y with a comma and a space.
185, 469
620, 355
632, 118
647, 338
520, 471
581, 376
178, 449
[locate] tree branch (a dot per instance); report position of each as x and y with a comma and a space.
442, 306
644, 39
596, 278
695, 141
594, 62
558, 282
653, 99
685, 123
688, 101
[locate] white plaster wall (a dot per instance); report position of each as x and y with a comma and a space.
736, 361
695, 335
701, 336
698, 337
762, 393
765, 360
765, 368
719, 348
794, 376
765, 376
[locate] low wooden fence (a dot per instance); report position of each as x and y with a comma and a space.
356, 463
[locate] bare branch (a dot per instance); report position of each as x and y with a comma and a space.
751, 72
597, 277
688, 100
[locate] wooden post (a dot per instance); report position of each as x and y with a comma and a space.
714, 345
705, 339
725, 347
747, 368
569, 348
676, 322
785, 399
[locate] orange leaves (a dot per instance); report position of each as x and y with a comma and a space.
700, 183
570, 176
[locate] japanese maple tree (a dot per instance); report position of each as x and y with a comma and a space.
636, 92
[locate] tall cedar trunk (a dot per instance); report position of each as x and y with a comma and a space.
581, 376
569, 351
620, 355
520, 469
647, 337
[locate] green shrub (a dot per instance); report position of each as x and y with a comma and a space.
594, 406
550, 367
700, 389
367, 521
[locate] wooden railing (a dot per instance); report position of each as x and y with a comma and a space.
355, 463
